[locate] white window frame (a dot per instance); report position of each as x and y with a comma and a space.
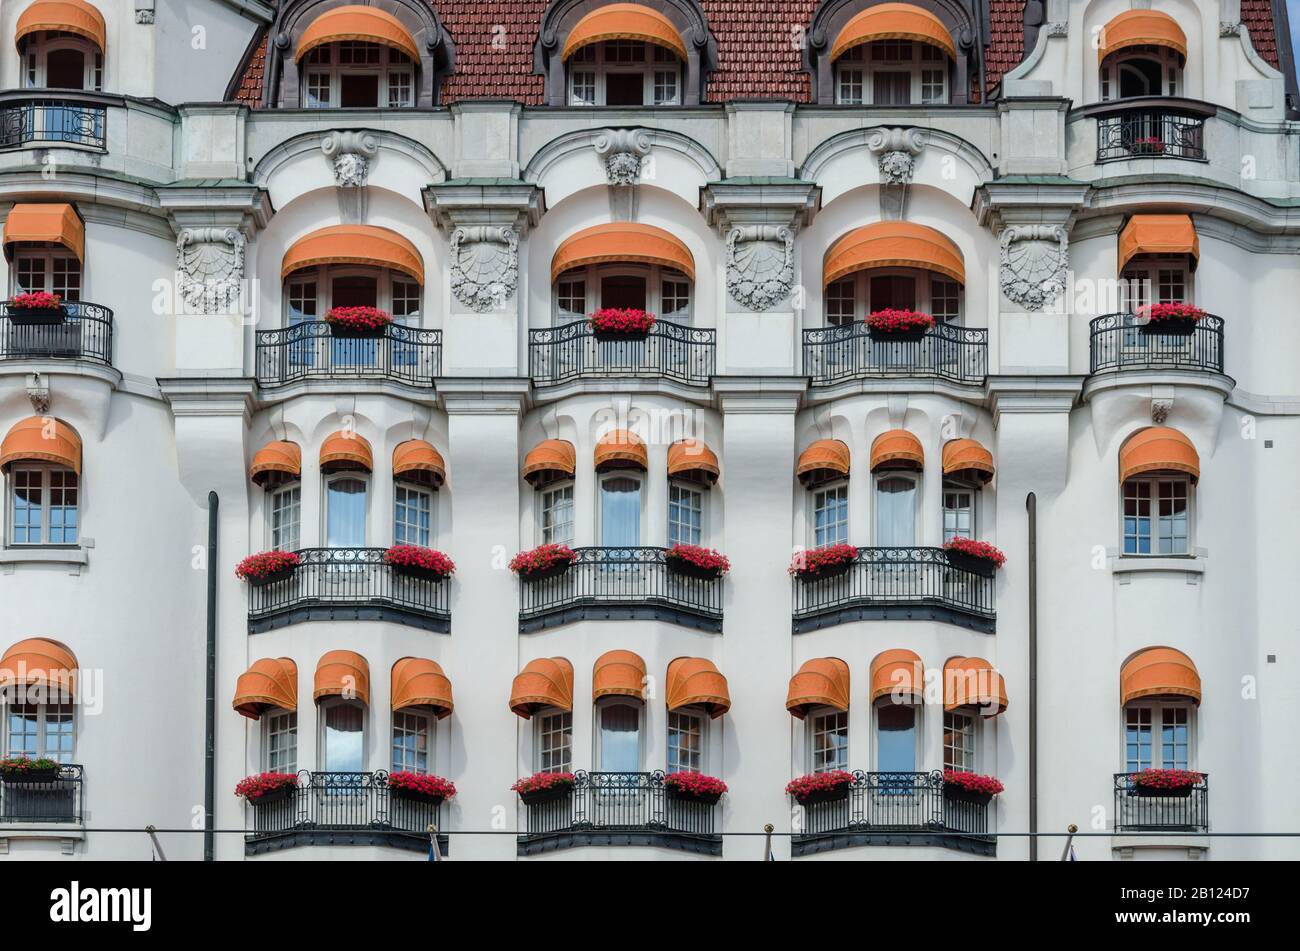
653, 275
701, 498
46, 256
1159, 709
387, 69
615, 701
595, 64
34, 67
1171, 71
1142, 281
959, 488
547, 722
545, 496
431, 497
859, 65
815, 720
1154, 480
294, 533
324, 276
422, 720
279, 722
11, 502
969, 730
325, 484
815, 497
687, 720
43, 734
862, 305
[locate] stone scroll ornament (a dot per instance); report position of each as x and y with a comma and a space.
210, 262
484, 266
623, 151
760, 265
1035, 259
896, 151
351, 153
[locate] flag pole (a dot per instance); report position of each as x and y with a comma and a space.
435, 851
767, 843
1065, 852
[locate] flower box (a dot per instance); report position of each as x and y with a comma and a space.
1170, 319
898, 325
415, 795
815, 788
612, 324
263, 789
615, 336
425, 564
44, 774
544, 787
831, 794
354, 322
979, 558
1165, 783
36, 308
817, 564
280, 794
1147, 146
552, 794
681, 795
544, 561
269, 567
694, 787
420, 787
970, 787
958, 794
1156, 792
975, 565
692, 561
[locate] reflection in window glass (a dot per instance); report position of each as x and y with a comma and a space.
895, 512
620, 512
620, 738
895, 738
343, 738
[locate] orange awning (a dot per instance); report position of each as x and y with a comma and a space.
1141, 28
823, 461
342, 674
354, 244
893, 244
1158, 234
967, 459
270, 683
1159, 672
618, 673
41, 439
417, 461
418, 682
40, 662
549, 461
820, 682
622, 243
621, 449
276, 462
346, 451
898, 670
690, 459
696, 682
1158, 449
545, 682
972, 682
624, 21
45, 224
63, 16
893, 21
363, 24
897, 449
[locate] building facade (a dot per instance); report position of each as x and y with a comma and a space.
1095, 205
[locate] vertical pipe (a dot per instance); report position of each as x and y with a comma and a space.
210, 726
1031, 506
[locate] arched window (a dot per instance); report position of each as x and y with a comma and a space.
897, 460
618, 692
45, 244
1160, 690
41, 461
1157, 260
61, 45
1141, 54
1159, 469
342, 693
40, 713
421, 695
623, 265
893, 265
823, 469
892, 73
549, 469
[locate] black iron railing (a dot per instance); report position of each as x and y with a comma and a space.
54, 800
84, 333
1161, 810
1150, 133
896, 583
311, 350
51, 120
849, 352
670, 351
621, 803
887, 803
628, 583
344, 802
1116, 342
348, 584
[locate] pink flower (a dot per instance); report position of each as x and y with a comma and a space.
705, 558
624, 320
815, 561
359, 318
541, 558
891, 320
968, 546
413, 556
267, 563
972, 782
805, 786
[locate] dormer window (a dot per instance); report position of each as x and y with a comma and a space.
624, 73
61, 46
892, 73
1142, 53
356, 75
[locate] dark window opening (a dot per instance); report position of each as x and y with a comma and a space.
358, 91
624, 89
65, 69
623, 292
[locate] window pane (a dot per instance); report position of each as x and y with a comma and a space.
830, 742
895, 512
895, 738
24, 729
557, 515
412, 516
831, 516
63, 507
841, 302
685, 515
346, 514
685, 742
1174, 737
958, 513
959, 742
343, 738
410, 742
555, 743
620, 512
1137, 739
620, 738
28, 500
286, 508
282, 743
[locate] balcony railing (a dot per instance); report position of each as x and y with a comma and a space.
621, 809
897, 583
1151, 130
51, 121
348, 584
849, 352
622, 584
1115, 342
342, 809
670, 351
897, 809
55, 800
85, 333
1138, 810
310, 350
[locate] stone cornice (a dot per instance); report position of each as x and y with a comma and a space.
727, 204
246, 207
1033, 394
484, 396
501, 203
1146, 379
760, 394
210, 396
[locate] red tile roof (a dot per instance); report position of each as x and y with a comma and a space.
760, 49
494, 50
1006, 46
1258, 17
249, 91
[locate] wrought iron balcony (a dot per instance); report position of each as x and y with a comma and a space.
897, 583
620, 809
342, 809
849, 352
620, 584
84, 332
311, 350
1139, 809
1151, 127
58, 799
348, 584
51, 120
897, 809
670, 351
1116, 342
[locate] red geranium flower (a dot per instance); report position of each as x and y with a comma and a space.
540, 781
414, 556
425, 783
805, 786
621, 320
695, 784
892, 320
1166, 778
541, 558
815, 561
36, 300
359, 318
968, 546
1170, 313
972, 782
267, 563
705, 558
255, 787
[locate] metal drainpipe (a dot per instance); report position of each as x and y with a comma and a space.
1031, 506
210, 728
